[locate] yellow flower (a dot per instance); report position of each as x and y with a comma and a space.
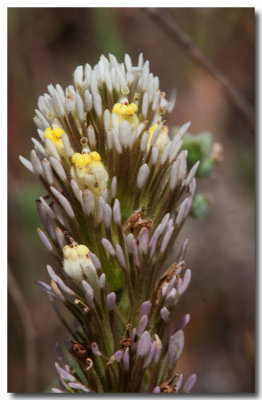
127, 112
89, 172
55, 134
162, 139
78, 265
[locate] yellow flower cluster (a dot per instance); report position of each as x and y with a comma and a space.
82, 160
127, 112
89, 172
74, 252
55, 134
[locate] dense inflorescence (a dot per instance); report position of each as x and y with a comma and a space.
118, 193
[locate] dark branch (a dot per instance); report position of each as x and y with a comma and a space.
169, 25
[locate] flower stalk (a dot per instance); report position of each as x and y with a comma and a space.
118, 192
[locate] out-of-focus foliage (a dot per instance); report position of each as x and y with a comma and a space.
107, 32
200, 205
199, 147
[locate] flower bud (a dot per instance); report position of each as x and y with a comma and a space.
175, 347
165, 314
145, 308
156, 389
186, 281
117, 356
95, 349
126, 359
183, 322
102, 281
78, 264
151, 354
111, 300
158, 348
144, 344
142, 176
142, 324
89, 294
191, 380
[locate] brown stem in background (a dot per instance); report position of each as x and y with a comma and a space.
170, 27
31, 365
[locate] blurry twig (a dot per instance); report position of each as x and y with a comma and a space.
29, 332
169, 25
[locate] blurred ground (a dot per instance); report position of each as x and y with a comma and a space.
44, 46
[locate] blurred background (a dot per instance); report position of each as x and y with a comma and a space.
44, 46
